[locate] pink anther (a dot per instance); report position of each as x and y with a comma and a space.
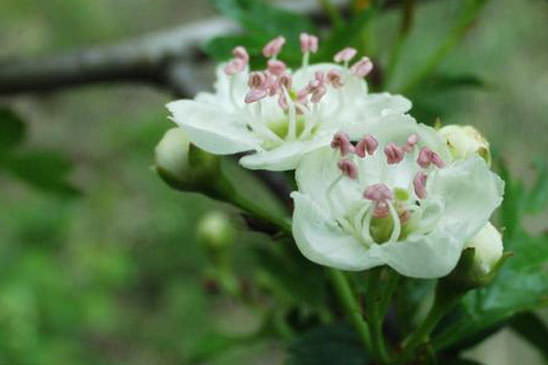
348, 168
394, 153
274, 47
257, 80
367, 145
362, 67
345, 55
378, 193
341, 141
234, 66
335, 78
309, 43
412, 141
419, 183
241, 53
276, 67
254, 95
427, 156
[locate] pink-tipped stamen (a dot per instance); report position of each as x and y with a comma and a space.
412, 141
367, 145
380, 194
341, 141
335, 78
345, 55
254, 95
362, 68
241, 53
276, 67
348, 168
419, 183
427, 156
274, 47
257, 80
394, 153
309, 43
234, 66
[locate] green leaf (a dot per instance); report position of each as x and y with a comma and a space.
12, 129
258, 17
521, 285
335, 345
531, 328
45, 170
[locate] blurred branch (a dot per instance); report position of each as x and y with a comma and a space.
164, 58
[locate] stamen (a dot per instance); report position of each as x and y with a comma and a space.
257, 80
362, 67
412, 141
427, 156
334, 77
274, 47
234, 66
367, 145
419, 183
292, 128
254, 95
348, 168
424, 157
378, 193
345, 55
316, 88
341, 141
276, 67
309, 43
394, 153
241, 53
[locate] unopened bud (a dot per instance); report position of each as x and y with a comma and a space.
465, 141
216, 231
488, 248
183, 165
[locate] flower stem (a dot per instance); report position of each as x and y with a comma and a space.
351, 306
444, 301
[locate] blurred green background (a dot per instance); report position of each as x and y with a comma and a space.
116, 275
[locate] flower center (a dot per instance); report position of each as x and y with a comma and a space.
388, 212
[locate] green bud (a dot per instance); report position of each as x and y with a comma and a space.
184, 166
216, 231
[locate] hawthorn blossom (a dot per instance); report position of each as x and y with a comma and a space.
398, 200
277, 115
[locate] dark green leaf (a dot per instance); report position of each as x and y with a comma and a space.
531, 328
336, 345
12, 129
46, 170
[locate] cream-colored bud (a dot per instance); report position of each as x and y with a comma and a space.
183, 165
172, 153
488, 247
216, 231
465, 141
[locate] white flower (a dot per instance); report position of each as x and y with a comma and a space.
400, 204
280, 114
465, 141
488, 247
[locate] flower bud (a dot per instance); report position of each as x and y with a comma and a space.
465, 141
182, 165
488, 248
215, 231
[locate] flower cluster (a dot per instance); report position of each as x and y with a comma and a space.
374, 186
278, 114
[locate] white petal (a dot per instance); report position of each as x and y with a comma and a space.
231, 88
285, 157
324, 243
212, 128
